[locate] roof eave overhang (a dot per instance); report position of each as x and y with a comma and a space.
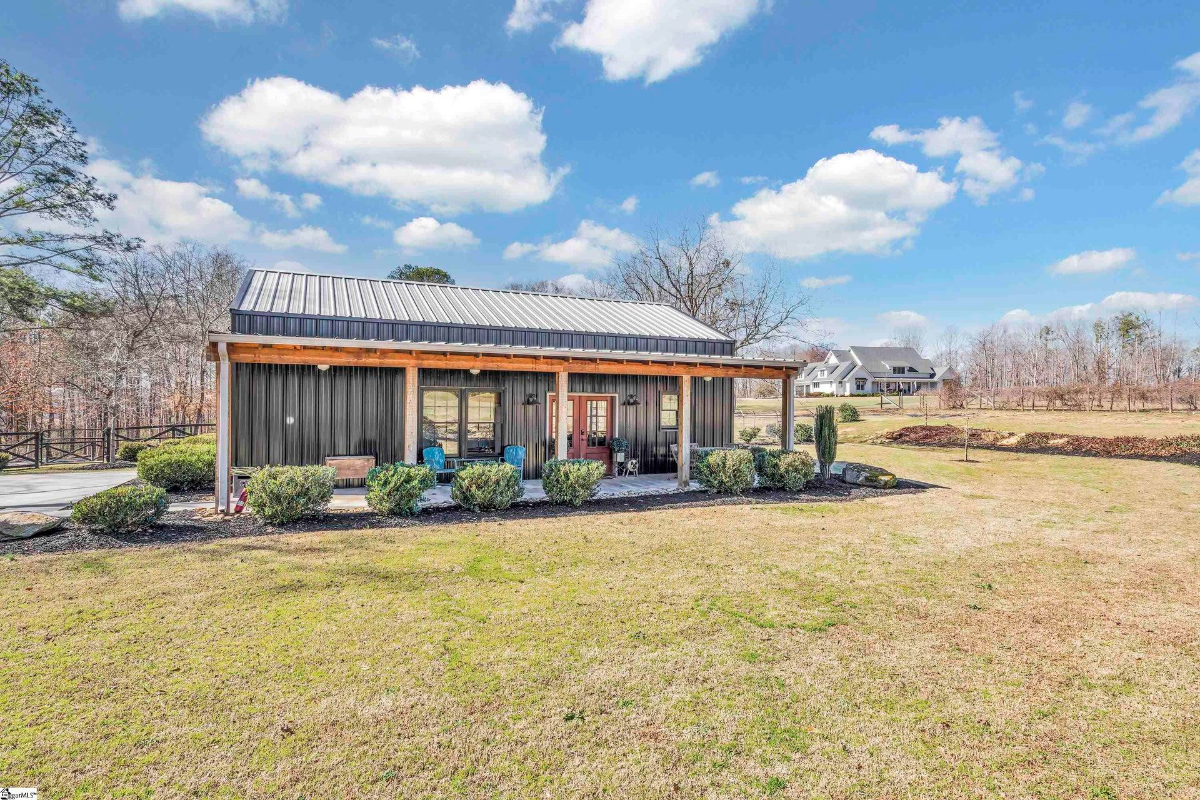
450, 355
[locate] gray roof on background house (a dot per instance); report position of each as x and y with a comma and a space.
880, 360
345, 297
837, 372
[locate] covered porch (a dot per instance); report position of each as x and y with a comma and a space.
555, 375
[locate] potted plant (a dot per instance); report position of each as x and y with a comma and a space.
619, 446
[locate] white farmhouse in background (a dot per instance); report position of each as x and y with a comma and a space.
871, 370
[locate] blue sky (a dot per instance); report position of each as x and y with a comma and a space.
934, 166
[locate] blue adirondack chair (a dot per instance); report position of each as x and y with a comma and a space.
435, 459
515, 454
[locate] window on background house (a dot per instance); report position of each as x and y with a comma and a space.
898, 370
668, 413
860, 384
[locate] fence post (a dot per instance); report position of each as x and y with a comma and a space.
37, 449
108, 450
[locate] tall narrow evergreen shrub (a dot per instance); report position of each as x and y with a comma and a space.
825, 433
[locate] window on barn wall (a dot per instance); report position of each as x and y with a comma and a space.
481, 421
668, 414
439, 420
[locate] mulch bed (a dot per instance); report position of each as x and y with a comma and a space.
183, 527
1177, 449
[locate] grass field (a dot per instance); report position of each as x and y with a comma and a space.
1029, 630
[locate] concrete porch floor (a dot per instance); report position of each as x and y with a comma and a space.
439, 495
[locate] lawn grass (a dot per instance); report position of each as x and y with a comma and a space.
1029, 630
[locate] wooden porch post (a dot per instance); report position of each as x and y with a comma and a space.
684, 461
788, 440
412, 424
224, 417
563, 427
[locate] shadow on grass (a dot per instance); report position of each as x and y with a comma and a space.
183, 527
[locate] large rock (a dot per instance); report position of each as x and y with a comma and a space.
866, 475
16, 525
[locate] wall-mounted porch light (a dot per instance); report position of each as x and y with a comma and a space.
531, 399
632, 400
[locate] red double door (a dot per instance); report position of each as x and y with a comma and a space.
590, 426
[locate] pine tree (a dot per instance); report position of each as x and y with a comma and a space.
825, 433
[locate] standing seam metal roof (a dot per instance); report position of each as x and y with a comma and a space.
279, 292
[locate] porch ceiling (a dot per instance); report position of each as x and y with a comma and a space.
246, 348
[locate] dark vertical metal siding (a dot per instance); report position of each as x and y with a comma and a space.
342, 411
298, 325
360, 411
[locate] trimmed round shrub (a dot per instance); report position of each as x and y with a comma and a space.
730, 471
4, 459
178, 466
487, 487
847, 413
395, 489
571, 481
128, 451
122, 508
281, 495
778, 469
803, 432
774, 431
748, 435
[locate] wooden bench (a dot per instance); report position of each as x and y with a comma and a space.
351, 468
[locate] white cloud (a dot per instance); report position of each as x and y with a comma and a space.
750, 180
1020, 102
399, 45
629, 204
426, 233
1076, 152
580, 284
375, 222
903, 319
234, 10
1018, 316
1091, 262
255, 189
708, 180
1076, 114
984, 166
1189, 193
1188, 256
290, 266
307, 237
1026, 194
651, 41
593, 245
451, 149
162, 211
1167, 107
822, 283
528, 14
861, 202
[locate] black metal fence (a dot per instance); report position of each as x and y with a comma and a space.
87, 445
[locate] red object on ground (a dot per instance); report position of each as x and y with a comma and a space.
241, 503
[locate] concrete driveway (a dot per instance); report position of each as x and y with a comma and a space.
54, 492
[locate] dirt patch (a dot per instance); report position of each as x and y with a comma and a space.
1178, 449
181, 527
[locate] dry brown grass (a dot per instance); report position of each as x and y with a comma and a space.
1027, 631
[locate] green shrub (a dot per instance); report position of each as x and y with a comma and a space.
847, 413
778, 469
825, 433
487, 487
128, 451
568, 482
726, 470
748, 435
774, 431
395, 489
803, 432
200, 438
178, 466
285, 494
122, 508
4, 459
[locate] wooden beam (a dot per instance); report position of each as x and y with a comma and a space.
684, 461
365, 357
224, 418
412, 424
563, 427
789, 414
